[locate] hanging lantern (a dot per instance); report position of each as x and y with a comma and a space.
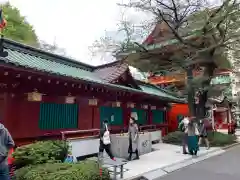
116, 104
70, 100
93, 102
145, 106
34, 96
130, 105
153, 107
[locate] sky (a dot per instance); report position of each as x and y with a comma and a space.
73, 24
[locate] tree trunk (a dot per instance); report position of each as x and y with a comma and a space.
190, 98
200, 108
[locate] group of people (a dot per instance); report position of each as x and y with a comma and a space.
133, 134
194, 134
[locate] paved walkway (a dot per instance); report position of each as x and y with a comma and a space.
222, 167
164, 156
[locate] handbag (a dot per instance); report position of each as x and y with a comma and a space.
197, 131
106, 136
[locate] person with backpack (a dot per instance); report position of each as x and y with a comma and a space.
203, 134
105, 141
6, 143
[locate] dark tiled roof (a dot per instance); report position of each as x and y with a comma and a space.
112, 71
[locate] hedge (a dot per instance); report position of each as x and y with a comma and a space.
86, 170
43, 160
41, 152
215, 138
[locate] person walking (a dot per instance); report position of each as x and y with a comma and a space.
6, 143
133, 134
193, 133
183, 127
105, 141
203, 134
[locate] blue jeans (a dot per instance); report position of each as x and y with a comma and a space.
4, 172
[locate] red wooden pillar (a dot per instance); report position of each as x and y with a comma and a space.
4, 104
150, 116
126, 115
96, 117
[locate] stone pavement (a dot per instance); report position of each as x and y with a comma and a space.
165, 158
222, 167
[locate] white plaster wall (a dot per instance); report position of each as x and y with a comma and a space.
82, 147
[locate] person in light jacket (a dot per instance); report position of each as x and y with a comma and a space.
6, 143
133, 134
183, 127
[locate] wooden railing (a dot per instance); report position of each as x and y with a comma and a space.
80, 133
150, 127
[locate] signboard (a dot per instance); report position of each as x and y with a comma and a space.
34, 96
70, 100
221, 79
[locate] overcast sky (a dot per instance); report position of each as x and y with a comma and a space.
74, 24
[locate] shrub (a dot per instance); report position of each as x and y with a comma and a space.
221, 139
41, 152
86, 170
173, 138
215, 138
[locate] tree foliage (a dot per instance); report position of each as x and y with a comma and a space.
214, 27
205, 36
52, 48
127, 37
18, 29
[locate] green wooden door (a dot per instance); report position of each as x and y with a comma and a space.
58, 116
142, 116
158, 117
114, 115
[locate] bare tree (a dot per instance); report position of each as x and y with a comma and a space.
206, 35
127, 37
52, 48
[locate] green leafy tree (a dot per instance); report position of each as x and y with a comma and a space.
18, 29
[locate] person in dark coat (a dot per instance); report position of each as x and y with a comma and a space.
203, 134
105, 144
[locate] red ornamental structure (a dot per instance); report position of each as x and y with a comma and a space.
42, 94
